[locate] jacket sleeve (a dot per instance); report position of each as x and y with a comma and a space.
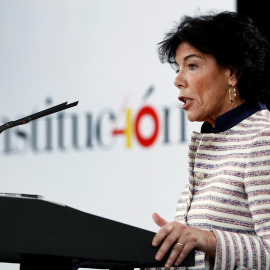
240, 251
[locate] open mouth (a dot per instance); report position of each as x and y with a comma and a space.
184, 100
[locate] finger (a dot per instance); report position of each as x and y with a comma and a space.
159, 220
168, 242
176, 251
162, 233
184, 252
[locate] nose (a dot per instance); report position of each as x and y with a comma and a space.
179, 81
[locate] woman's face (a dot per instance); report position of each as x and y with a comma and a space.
203, 84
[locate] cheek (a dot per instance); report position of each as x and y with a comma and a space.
210, 92
204, 93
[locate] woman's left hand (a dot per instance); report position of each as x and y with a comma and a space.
183, 238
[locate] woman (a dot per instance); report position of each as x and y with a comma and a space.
222, 64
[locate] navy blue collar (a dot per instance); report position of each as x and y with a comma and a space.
232, 117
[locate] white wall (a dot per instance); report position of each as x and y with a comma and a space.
103, 54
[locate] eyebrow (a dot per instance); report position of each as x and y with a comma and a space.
192, 55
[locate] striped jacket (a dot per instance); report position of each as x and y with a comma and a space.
229, 193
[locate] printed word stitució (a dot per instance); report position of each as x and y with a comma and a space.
96, 130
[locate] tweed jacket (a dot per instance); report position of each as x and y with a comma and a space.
229, 193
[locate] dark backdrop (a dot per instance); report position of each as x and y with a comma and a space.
258, 11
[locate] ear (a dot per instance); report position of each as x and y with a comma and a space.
233, 76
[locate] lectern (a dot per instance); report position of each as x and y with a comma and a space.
40, 235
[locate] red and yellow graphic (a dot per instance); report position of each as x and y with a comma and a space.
129, 129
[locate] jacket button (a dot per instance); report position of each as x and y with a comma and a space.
200, 176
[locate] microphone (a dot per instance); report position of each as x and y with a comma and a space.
27, 119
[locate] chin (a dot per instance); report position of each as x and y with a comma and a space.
193, 119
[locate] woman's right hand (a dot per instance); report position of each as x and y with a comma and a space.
183, 238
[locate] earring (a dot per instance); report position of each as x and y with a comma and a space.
230, 94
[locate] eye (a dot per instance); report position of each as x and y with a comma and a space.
192, 66
177, 71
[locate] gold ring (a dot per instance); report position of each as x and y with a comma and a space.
180, 244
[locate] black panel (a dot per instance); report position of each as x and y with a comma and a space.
34, 228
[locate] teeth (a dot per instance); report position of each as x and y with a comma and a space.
186, 100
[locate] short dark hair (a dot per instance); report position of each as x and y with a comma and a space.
234, 41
